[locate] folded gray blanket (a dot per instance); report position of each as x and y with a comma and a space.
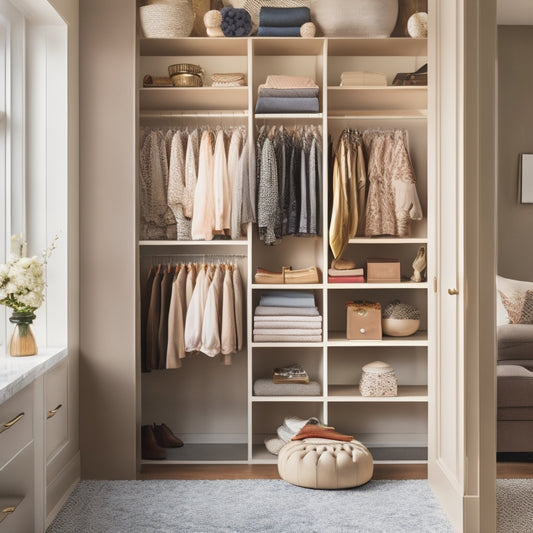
265, 387
307, 92
267, 104
287, 332
285, 324
273, 31
287, 338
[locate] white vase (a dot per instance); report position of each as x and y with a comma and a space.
355, 18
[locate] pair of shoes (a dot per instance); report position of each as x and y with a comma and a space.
165, 438
150, 449
287, 275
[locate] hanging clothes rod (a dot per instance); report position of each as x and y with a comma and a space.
205, 257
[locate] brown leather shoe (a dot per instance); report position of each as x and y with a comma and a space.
149, 447
165, 437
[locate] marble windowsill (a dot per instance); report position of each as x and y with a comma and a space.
18, 372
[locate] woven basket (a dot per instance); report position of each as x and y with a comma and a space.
167, 21
184, 68
185, 79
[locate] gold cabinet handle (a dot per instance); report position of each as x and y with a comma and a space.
53, 412
10, 509
453, 292
11, 423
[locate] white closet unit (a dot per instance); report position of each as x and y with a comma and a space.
212, 407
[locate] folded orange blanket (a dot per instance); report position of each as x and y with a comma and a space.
310, 431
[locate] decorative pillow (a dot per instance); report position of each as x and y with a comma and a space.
254, 7
516, 300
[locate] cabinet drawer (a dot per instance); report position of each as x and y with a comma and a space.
16, 489
15, 430
56, 408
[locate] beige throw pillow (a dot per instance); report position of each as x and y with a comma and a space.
517, 298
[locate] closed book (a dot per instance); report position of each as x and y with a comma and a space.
346, 279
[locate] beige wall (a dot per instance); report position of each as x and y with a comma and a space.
107, 237
515, 116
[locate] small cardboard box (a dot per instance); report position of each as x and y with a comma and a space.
363, 321
383, 271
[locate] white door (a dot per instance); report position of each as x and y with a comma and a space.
457, 430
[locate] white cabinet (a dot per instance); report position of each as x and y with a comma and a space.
17, 462
213, 408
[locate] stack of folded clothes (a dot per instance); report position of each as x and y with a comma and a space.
362, 78
228, 79
287, 94
296, 428
287, 316
345, 271
282, 21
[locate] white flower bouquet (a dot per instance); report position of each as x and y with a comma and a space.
22, 278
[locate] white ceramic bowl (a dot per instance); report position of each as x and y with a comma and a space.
399, 327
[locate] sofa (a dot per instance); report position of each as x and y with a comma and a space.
515, 367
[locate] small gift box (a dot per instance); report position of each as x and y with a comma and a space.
363, 321
383, 271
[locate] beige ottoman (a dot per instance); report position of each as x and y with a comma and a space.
325, 463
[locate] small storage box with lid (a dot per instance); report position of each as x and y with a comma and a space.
378, 379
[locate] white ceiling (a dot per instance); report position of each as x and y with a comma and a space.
515, 12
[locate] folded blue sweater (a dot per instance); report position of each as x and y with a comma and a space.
283, 17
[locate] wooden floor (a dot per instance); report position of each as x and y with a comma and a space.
381, 471
218, 471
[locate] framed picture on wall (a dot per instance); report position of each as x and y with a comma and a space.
526, 178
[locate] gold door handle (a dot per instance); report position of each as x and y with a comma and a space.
453, 292
10, 509
11, 423
53, 412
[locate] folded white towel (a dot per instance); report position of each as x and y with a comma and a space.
277, 81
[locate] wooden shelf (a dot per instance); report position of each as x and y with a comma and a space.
338, 339
287, 344
287, 46
381, 99
194, 98
366, 286
350, 393
286, 116
193, 243
361, 46
194, 46
381, 114
204, 453
285, 286
389, 240
269, 399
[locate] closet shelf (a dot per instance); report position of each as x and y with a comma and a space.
194, 46
381, 114
286, 399
362, 46
204, 453
285, 116
285, 286
350, 393
287, 344
288, 46
389, 240
380, 99
194, 243
338, 339
366, 286
194, 98
159, 114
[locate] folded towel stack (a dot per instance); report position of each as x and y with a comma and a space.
351, 275
228, 79
287, 94
282, 21
287, 316
362, 78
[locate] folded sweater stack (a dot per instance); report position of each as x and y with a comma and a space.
287, 94
361, 78
228, 79
287, 316
282, 21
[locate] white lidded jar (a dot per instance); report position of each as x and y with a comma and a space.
378, 379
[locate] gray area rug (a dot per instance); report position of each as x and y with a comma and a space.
514, 498
242, 506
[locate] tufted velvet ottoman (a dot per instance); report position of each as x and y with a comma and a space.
325, 463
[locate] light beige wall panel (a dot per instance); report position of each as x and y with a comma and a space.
107, 237
515, 136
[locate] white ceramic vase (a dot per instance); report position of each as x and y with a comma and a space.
354, 18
